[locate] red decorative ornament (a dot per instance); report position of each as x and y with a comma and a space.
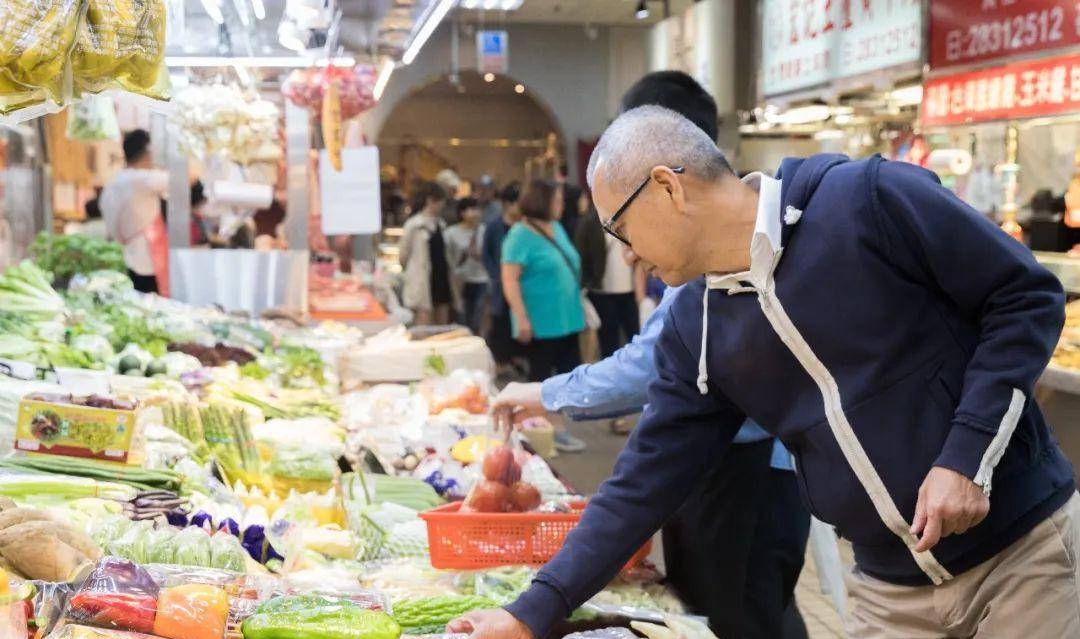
356, 88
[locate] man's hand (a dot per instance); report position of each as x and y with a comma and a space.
949, 504
490, 624
517, 402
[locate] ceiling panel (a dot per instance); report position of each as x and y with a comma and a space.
600, 12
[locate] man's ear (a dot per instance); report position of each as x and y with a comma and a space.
668, 179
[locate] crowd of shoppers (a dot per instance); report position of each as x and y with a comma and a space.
522, 266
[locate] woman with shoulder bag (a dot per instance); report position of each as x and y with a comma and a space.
541, 278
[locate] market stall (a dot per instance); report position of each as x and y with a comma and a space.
171, 470
1001, 123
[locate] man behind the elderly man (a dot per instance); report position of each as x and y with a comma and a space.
888, 334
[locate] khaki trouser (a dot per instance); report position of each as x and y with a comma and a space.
1028, 591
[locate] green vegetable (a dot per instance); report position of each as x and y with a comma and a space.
25, 289
142, 478
429, 615
192, 547
66, 255
129, 363
226, 553
156, 367
228, 433
61, 486
254, 370
312, 617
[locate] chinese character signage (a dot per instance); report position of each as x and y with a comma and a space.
492, 51
1048, 86
966, 31
810, 42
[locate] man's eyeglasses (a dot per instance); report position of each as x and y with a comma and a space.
609, 224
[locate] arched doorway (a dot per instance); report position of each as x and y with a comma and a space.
473, 126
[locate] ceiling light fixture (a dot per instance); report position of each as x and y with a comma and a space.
470, 4
511, 5
384, 78
490, 4
519, 88
489, 77
642, 12
430, 24
259, 9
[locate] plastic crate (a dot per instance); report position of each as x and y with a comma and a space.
464, 541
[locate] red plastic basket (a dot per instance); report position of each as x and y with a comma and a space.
464, 541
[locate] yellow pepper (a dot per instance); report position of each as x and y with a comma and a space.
192, 611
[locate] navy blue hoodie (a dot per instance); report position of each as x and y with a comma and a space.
895, 330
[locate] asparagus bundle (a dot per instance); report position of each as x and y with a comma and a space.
184, 418
228, 433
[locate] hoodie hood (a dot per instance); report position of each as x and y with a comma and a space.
799, 178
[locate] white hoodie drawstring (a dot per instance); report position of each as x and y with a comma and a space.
703, 369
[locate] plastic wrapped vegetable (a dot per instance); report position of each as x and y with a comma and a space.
318, 617
35, 39
192, 548
117, 594
226, 553
121, 43
192, 611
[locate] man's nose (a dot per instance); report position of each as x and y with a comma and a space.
629, 256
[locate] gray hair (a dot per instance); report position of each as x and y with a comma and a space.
649, 136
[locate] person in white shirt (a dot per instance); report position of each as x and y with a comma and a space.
464, 241
608, 278
131, 207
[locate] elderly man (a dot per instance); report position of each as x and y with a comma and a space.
888, 334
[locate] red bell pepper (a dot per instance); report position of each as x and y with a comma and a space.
115, 610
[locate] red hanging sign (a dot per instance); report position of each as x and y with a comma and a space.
1047, 86
966, 31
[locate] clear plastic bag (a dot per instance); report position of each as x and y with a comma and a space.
35, 41
169, 602
93, 119
121, 45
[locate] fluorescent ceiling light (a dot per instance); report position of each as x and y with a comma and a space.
287, 62
259, 9
432, 22
470, 4
642, 11
213, 9
511, 5
384, 78
490, 4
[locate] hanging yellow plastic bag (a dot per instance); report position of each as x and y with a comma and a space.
121, 44
36, 38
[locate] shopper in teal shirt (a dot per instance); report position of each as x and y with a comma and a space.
541, 275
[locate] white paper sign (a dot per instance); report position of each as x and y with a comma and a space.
810, 42
351, 204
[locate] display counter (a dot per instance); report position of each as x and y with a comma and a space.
1058, 390
1065, 267
240, 279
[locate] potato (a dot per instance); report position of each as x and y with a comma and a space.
44, 557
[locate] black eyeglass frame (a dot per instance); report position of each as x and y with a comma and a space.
609, 224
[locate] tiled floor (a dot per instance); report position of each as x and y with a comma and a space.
586, 470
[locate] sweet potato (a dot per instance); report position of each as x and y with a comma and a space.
77, 540
44, 557
16, 516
